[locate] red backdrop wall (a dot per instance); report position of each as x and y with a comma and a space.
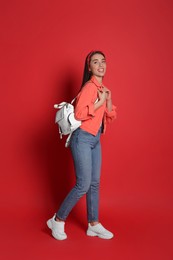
43, 47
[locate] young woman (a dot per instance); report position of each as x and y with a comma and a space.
94, 108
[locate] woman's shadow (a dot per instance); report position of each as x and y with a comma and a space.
56, 170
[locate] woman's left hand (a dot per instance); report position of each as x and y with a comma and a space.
108, 92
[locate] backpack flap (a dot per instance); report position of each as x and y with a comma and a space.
59, 115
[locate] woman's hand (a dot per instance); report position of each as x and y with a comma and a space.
108, 92
108, 99
105, 94
102, 95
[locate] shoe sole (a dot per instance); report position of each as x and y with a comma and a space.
93, 234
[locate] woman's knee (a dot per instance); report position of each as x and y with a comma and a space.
82, 188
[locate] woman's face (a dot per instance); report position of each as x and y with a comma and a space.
98, 65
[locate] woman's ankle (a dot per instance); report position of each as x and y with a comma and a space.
58, 220
93, 223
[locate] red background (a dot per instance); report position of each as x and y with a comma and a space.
43, 47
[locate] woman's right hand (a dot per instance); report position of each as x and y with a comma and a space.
102, 95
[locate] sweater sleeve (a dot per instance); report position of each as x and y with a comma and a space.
84, 108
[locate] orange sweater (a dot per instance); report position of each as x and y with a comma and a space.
84, 109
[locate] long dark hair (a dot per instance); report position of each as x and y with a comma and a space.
87, 74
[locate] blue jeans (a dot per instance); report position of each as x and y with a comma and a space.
86, 152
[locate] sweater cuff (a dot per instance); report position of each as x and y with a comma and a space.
111, 113
91, 111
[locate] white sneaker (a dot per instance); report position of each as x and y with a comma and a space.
57, 228
99, 231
